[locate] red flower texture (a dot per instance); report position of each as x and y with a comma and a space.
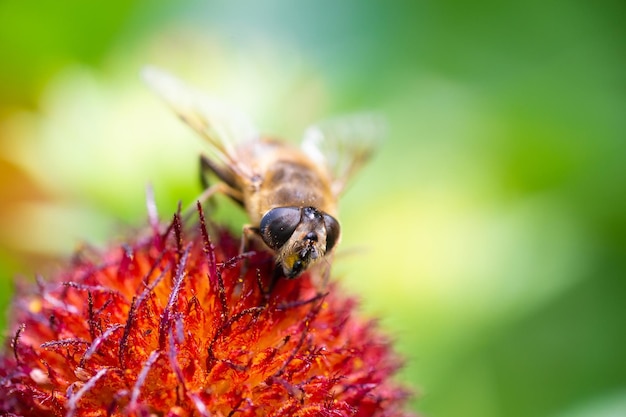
174, 325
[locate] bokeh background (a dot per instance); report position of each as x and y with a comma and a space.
489, 233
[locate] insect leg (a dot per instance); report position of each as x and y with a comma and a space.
205, 168
208, 166
221, 188
323, 274
248, 233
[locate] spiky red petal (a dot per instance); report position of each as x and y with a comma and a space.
172, 325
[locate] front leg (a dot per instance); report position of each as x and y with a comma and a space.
248, 233
208, 166
220, 188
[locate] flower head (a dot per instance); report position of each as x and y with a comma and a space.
173, 324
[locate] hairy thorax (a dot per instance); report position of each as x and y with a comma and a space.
287, 177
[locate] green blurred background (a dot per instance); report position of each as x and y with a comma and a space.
489, 233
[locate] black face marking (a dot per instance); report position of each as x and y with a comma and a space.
278, 224
311, 213
295, 233
296, 269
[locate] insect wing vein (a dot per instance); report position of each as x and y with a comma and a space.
344, 145
223, 127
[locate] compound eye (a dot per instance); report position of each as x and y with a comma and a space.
278, 225
332, 231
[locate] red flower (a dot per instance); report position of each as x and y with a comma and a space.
173, 325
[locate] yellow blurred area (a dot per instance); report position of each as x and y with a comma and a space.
489, 231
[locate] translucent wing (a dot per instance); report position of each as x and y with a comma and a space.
344, 145
221, 125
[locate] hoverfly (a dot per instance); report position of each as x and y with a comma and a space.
290, 194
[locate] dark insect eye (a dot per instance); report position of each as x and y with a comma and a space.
296, 269
332, 231
278, 225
